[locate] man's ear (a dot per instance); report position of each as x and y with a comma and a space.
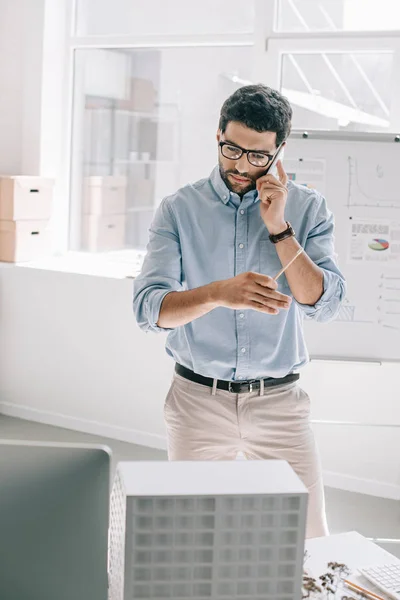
219, 133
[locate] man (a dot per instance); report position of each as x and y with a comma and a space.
235, 333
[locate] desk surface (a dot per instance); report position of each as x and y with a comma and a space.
350, 548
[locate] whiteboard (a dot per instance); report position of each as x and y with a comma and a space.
359, 175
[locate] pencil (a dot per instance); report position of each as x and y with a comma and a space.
299, 251
357, 588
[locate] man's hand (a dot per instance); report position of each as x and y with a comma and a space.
248, 290
273, 195
251, 290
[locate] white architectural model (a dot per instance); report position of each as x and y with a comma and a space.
198, 530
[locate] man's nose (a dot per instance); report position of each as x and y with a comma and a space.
242, 164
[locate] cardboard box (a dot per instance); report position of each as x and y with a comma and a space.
22, 241
26, 198
104, 195
143, 95
103, 233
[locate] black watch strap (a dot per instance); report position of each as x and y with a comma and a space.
279, 237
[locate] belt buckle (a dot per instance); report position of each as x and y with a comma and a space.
240, 383
230, 386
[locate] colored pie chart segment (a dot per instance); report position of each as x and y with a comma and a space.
379, 245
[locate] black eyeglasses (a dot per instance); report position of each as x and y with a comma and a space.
233, 152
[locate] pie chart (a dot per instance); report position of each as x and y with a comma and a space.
378, 244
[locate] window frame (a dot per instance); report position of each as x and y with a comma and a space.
269, 47
278, 45
68, 233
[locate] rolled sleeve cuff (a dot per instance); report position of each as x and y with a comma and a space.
153, 304
331, 292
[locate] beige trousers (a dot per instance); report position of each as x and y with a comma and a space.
275, 425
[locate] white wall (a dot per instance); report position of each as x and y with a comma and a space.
359, 458
32, 19
54, 99
71, 355
32, 99
33, 102
11, 84
21, 38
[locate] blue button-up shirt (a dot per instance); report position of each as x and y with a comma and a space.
206, 233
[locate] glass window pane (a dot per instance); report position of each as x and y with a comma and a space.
144, 125
338, 15
172, 17
339, 91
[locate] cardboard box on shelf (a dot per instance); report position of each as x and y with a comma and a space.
143, 95
23, 241
104, 195
103, 233
25, 198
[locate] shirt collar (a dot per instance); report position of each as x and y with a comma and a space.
222, 190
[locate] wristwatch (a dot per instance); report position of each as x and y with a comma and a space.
279, 237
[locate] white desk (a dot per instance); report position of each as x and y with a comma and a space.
350, 548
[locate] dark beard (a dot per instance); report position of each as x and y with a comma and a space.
231, 186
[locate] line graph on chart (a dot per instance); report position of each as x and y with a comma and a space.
362, 196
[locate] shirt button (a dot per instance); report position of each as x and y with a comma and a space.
241, 315
242, 212
243, 350
241, 246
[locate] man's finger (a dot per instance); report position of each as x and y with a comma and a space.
273, 187
265, 281
268, 283
272, 295
264, 309
282, 173
267, 179
271, 302
268, 293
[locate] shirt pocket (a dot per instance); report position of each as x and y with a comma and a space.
271, 265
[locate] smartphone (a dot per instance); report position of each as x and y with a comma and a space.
272, 168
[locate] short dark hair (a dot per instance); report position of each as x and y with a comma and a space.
258, 107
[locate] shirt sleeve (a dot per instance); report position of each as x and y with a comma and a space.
161, 272
320, 248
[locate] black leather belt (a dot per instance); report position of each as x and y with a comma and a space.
235, 387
